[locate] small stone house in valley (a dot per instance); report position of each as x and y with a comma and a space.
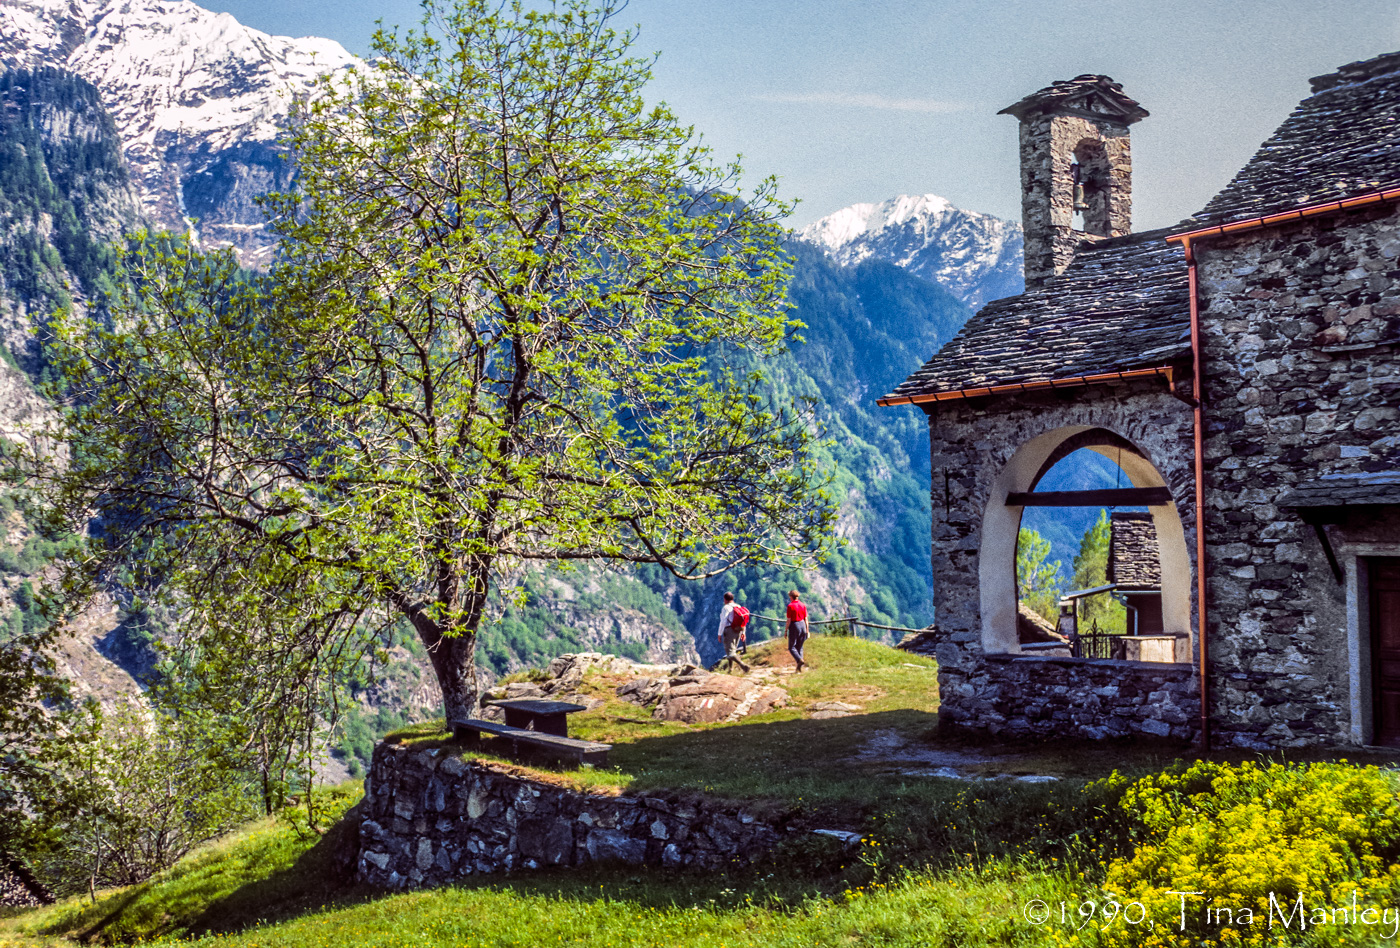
1241, 370
1135, 568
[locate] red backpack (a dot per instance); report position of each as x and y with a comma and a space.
740, 618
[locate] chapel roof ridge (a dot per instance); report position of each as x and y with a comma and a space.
1074, 95
1341, 142
1359, 71
1125, 240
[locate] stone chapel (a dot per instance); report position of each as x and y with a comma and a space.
1242, 370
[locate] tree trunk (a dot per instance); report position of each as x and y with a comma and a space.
452, 647
454, 663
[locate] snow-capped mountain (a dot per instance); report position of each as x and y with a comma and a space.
197, 98
974, 256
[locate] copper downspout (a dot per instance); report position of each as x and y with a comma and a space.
1327, 207
1203, 636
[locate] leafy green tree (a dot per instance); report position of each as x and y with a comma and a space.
1038, 581
507, 326
1090, 570
35, 727
154, 788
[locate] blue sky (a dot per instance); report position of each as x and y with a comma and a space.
860, 100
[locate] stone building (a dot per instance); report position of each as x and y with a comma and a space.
1241, 370
1134, 567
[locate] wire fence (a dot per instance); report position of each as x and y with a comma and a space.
850, 623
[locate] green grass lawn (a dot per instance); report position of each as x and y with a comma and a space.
783, 755
945, 862
266, 886
271, 868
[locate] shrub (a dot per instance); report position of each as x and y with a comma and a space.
154, 787
1274, 851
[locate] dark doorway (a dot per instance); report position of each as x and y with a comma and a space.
1384, 583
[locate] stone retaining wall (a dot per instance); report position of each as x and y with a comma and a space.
1019, 696
432, 817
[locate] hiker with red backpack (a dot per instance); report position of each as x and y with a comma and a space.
732, 621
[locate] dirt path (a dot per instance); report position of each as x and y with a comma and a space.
887, 748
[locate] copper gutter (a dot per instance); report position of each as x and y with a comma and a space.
1312, 210
1078, 381
1185, 238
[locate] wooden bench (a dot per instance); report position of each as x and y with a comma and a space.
534, 742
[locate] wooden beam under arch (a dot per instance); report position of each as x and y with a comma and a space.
1124, 497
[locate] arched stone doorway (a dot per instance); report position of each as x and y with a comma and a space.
1001, 524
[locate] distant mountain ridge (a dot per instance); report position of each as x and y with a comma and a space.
198, 100
976, 257
193, 103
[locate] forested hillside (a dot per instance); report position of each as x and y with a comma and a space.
65, 201
65, 195
867, 327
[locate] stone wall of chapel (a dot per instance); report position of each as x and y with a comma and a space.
1300, 326
971, 442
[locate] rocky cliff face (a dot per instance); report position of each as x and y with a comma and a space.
197, 98
606, 617
976, 257
65, 192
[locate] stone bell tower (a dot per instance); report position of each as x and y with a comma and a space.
1076, 169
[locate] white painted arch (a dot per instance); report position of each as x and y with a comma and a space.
1001, 524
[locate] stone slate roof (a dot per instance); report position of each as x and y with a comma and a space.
1122, 304
1345, 490
1090, 94
1033, 627
1133, 561
1341, 141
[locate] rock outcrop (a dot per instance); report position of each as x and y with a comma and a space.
677, 692
710, 699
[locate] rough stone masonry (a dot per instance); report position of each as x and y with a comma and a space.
431, 818
1300, 328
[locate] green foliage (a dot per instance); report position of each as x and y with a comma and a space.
268, 868
153, 788
360, 730
1090, 570
1039, 582
55, 188
512, 329
37, 732
1256, 838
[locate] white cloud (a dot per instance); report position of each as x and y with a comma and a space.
863, 101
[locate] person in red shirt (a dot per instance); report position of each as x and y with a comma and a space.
796, 628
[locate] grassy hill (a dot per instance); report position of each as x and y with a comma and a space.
272, 883
942, 862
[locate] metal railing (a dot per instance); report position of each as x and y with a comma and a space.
1097, 646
